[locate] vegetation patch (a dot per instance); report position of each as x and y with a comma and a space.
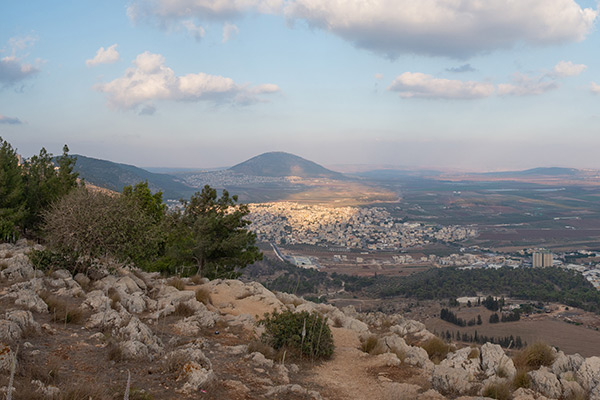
499, 391
436, 349
303, 333
534, 356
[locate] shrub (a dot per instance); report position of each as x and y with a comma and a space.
303, 333
115, 298
368, 345
436, 349
115, 352
203, 296
183, 310
264, 349
177, 283
521, 379
499, 391
534, 356
60, 309
474, 353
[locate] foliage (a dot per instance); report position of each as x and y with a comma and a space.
499, 391
534, 356
93, 224
151, 204
27, 190
44, 184
12, 193
47, 259
539, 284
211, 235
436, 349
304, 333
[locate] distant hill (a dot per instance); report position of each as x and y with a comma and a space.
114, 176
546, 171
280, 164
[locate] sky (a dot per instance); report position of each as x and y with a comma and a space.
477, 85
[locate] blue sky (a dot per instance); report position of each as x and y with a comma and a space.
455, 84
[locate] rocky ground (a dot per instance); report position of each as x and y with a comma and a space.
91, 337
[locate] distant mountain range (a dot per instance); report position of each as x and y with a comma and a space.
280, 164
115, 176
273, 165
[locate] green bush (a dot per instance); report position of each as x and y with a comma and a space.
302, 333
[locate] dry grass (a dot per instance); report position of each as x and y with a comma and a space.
61, 310
474, 353
338, 322
196, 279
183, 310
115, 353
203, 295
436, 349
369, 344
534, 356
175, 361
3, 265
177, 283
266, 350
85, 391
499, 391
8, 254
521, 379
115, 298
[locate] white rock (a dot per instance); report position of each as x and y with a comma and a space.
527, 394
260, 360
493, 361
24, 319
62, 274
10, 331
6, 357
545, 382
109, 319
291, 389
589, 373
418, 357
96, 301
450, 380
571, 389
19, 267
386, 360
196, 376
460, 359
30, 300
135, 350
136, 330
565, 363
406, 327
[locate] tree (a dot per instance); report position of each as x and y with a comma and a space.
92, 224
151, 204
45, 184
216, 240
12, 193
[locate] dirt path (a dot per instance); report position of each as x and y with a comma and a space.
345, 376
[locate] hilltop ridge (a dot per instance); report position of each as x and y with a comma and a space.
281, 164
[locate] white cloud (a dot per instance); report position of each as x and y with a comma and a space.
104, 56
151, 80
165, 11
595, 88
9, 120
229, 32
524, 85
13, 68
567, 68
446, 27
416, 84
196, 31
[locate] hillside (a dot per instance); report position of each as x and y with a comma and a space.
280, 164
191, 338
114, 176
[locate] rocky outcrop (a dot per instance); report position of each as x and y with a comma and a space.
588, 373
466, 359
546, 383
495, 362
450, 380
139, 340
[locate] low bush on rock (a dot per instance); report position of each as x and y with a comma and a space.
368, 344
534, 356
436, 349
499, 391
203, 296
302, 333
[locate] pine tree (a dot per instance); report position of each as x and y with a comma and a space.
12, 193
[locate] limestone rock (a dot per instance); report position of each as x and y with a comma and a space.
495, 362
545, 382
10, 331
82, 279
96, 301
386, 360
24, 319
460, 359
431, 395
565, 363
30, 300
450, 380
527, 394
572, 389
589, 373
417, 357
109, 319
135, 350
136, 330
292, 389
6, 357
19, 267
407, 327
62, 274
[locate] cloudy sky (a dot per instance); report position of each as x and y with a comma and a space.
457, 84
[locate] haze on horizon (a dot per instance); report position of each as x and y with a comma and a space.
468, 85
